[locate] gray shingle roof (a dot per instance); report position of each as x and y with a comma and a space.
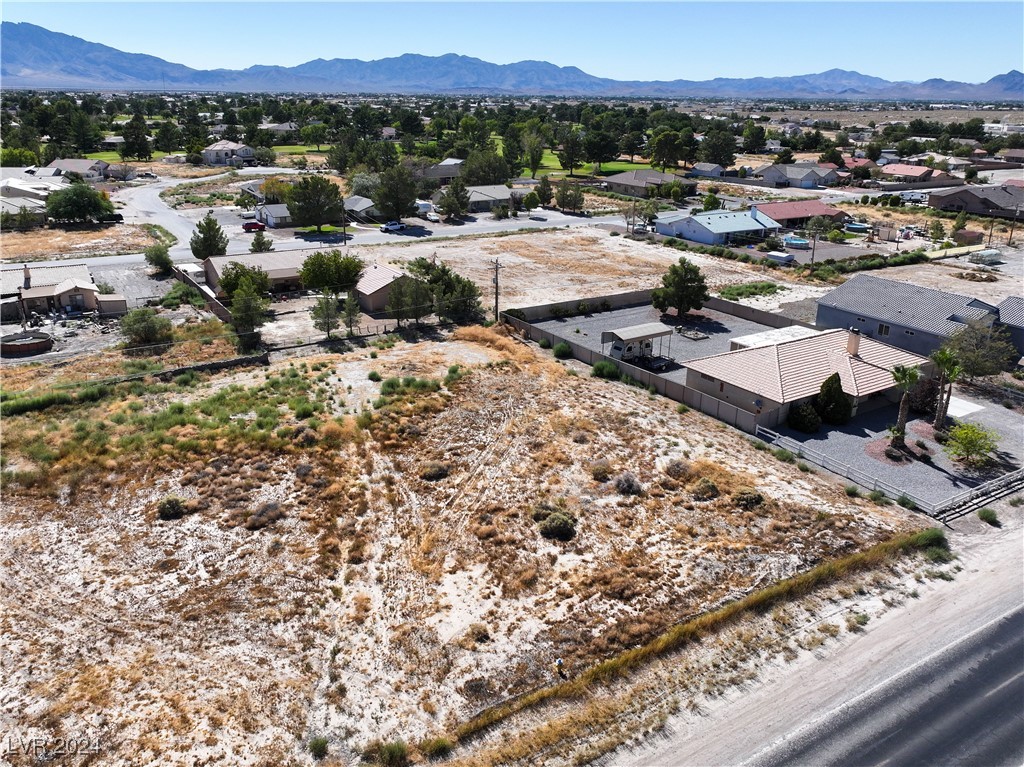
906, 305
995, 196
1011, 311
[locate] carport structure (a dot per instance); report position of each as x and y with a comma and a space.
637, 341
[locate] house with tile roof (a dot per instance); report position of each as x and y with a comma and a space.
768, 380
1004, 200
801, 176
1011, 316
795, 214
901, 314
228, 153
639, 183
374, 287
16, 281
724, 227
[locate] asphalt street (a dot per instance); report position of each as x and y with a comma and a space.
961, 706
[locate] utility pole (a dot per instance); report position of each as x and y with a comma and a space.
991, 227
497, 267
1013, 224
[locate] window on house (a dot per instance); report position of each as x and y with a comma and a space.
909, 332
860, 319
706, 377
883, 330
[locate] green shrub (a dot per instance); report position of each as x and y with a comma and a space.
374, 376
601, 470
704, 489
562, 350
906, 502
833, 404
318, 747
877, 496
784, 455
558, 525
433, 470
853, 491
605, 369
434, 748
394, 754
804, 418
988, 515
28, 404
747, 498
939, 554
171, 507
544, 343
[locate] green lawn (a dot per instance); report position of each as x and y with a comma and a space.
325, 229
115, 157
299, 148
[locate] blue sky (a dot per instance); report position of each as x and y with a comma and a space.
969, 42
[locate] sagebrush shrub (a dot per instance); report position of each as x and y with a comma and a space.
627, 484
558, 525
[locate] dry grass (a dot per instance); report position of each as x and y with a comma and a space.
47, 244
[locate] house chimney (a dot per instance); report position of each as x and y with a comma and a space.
28, 276
853, 342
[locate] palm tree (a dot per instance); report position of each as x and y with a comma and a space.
905, 378
949, 372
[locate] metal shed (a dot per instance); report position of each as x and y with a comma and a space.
637, 341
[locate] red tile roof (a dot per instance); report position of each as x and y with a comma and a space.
781, 211
899, 169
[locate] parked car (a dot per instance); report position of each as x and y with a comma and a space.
253, 226
393, 226
432, 216
146, 174
111, 218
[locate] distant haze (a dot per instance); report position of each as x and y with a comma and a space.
34, 57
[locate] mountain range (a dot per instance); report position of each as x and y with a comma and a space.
32, 57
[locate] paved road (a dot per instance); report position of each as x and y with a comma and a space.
937, 681
963, 706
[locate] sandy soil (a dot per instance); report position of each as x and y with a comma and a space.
47, 244
544, 267
381, 604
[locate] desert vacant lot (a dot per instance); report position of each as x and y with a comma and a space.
363, 560
71, 243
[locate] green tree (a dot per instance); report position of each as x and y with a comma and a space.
454, 200
873, 151
631, 143
78, 203
315, 201
530, 201
351, 311
711, 202
982, 349
570, 155
208, 239
395, 198
14, 157
833, 404
314, 134
235, 275
364, 185
261, 243
326, 316
168, 137
971, 443
600, 147
456, 299
937, 231
785, 157
485, 168
331, 271
264, 156
136, 139
718, 147
833, 156
906, 378
398, 301
666, 150
569, 196
683, 288
533, 152
144, 327
949, 372
159, 258
338, 158
960, 222
753, 136
421, 300
544, 190
248, 313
